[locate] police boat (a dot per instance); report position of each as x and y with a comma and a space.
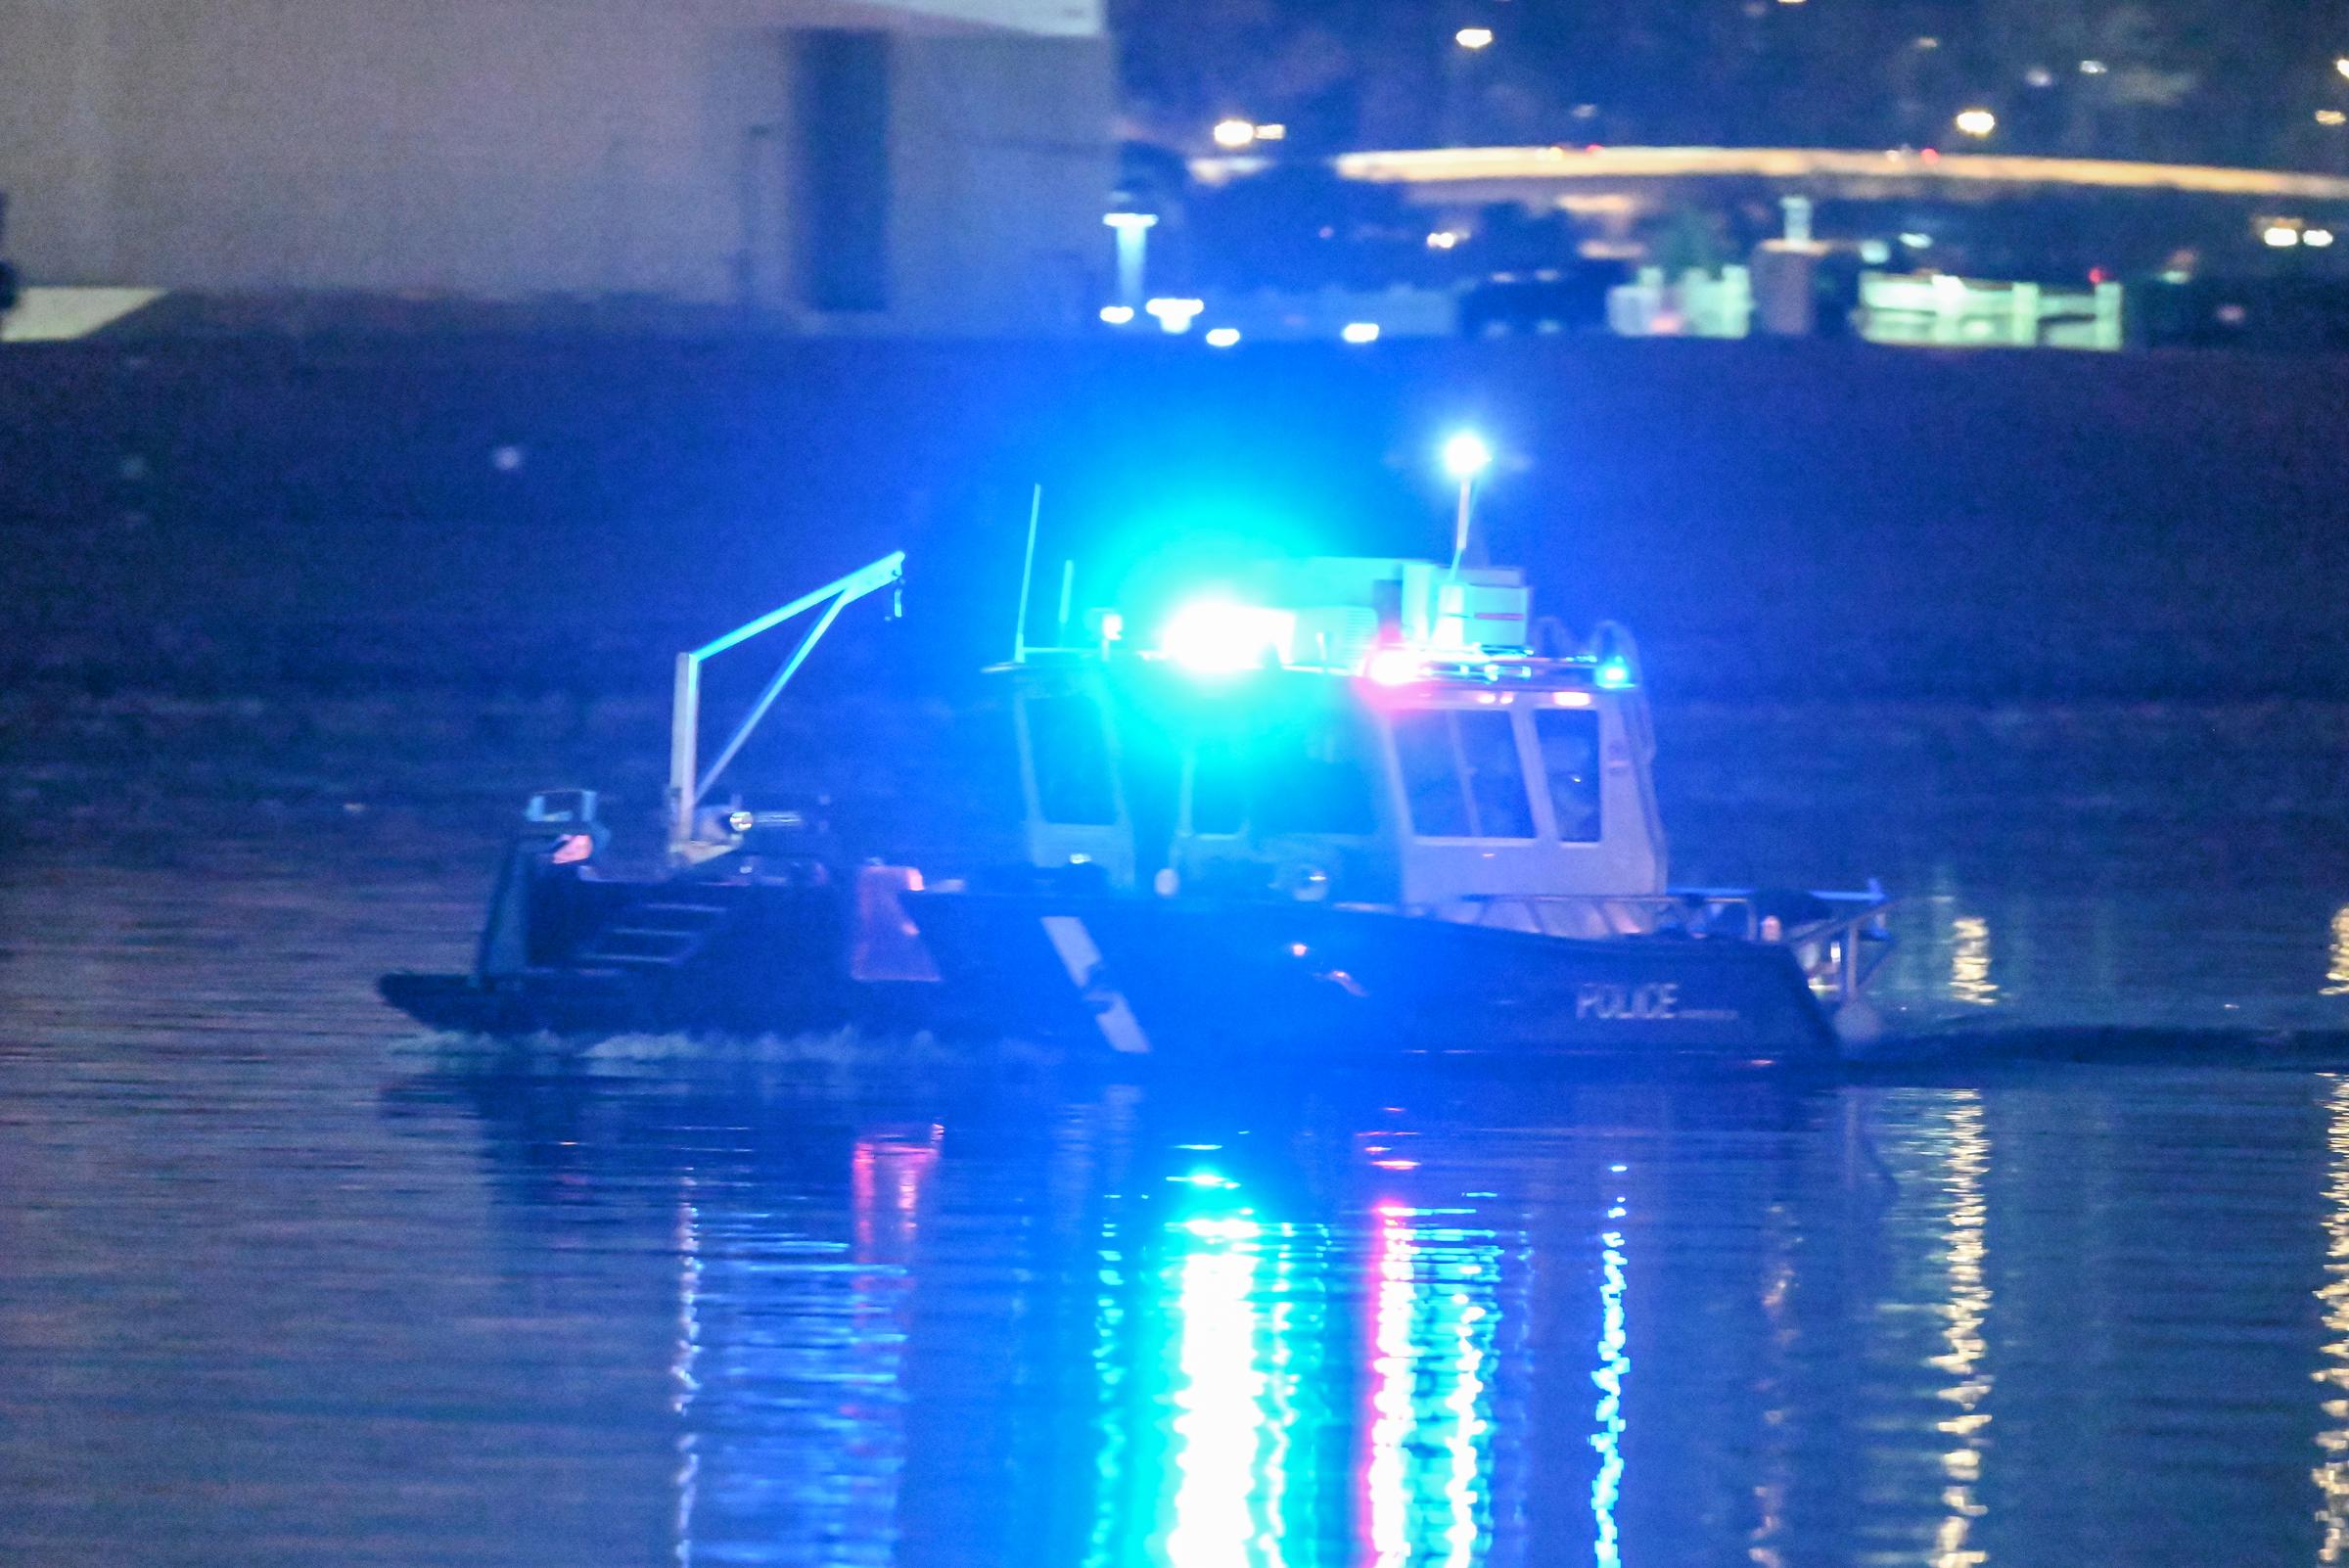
1351, 807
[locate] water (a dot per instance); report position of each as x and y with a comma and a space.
281, 1282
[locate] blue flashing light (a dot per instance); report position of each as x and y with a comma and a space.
1614, 673
1467, 455
1220, 636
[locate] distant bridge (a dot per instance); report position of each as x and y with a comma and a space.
1559, 175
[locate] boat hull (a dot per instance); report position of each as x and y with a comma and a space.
1127, 974
1147, 976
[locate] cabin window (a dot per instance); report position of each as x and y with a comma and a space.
1316, 778
1219, 801
1431, 775
1071, 757
1570, 758
1496, 775
1462, 775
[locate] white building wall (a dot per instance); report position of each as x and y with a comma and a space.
1059, 18
506, 149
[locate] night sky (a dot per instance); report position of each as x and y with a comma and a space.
2233, 81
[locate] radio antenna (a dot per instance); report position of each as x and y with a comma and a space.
1019, 632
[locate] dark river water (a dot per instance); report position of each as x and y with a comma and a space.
284, 1282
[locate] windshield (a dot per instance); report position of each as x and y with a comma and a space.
1462, 775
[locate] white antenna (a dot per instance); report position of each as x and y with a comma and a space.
1068, 590
1019, 632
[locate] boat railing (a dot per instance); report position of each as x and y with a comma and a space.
1579, 915
688, 783
1836, 949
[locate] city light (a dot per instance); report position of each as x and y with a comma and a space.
2093, 67
2331, 116
2318, 238
1358, 332
1234, 134
1176, 315
1467, 455
1272, 133
1473, 37
1117, 315
1442, 240
1223, 336
2281, 236
1976, 121
1129, 220
2342, 64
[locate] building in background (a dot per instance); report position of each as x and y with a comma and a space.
932, 166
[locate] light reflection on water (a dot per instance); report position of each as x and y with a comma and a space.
1966, 1162
1970, 980
1614, 1367
2336, 969
1228, 1485
2332, 1473
726, 1311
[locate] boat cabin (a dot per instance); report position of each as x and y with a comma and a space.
1367, 731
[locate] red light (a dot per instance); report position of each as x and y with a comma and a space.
1393, 666
2096, 274
1931, 155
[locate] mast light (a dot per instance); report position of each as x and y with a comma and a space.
1466, 456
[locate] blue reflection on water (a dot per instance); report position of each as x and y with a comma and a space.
1225, 1383
1226, 1496
1426, 1492
762, 1312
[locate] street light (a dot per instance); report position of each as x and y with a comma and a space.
1233, 134
1976, 121
1466, 456
1473, 37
